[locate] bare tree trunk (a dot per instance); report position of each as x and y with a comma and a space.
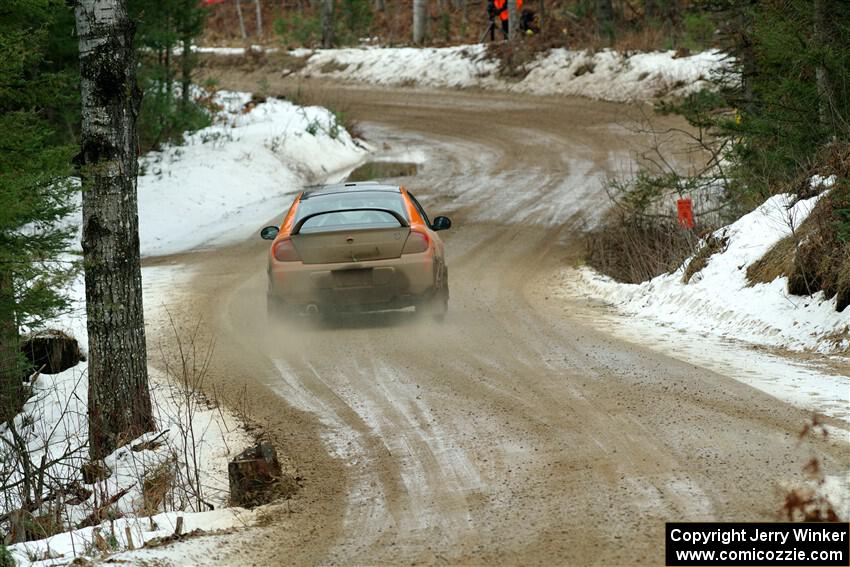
822, 38
186, 71
650, 9
119, 404
380, 5
327, 23
241, 19
259, 8
513, 21
169, 76
420, 11
605, 18
10, 371
541, 13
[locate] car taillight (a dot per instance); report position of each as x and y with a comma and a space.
416, 242
284, 251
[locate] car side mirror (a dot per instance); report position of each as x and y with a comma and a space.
441, 223
269, 233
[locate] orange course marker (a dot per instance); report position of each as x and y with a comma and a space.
686, 212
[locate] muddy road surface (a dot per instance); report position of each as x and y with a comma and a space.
510, 433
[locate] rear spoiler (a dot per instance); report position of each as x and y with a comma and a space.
401, 220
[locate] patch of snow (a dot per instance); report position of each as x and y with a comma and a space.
63, 548
242, 171
719, 300
604, 75
228, 50
228, 179
53, 423
822, 181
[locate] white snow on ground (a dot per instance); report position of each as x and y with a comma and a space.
54, 425
228, 50
719, 300
238, 172
220, 186
242, 171
604, 75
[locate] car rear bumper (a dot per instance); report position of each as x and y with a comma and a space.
378, 284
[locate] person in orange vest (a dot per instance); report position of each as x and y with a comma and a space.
499, 9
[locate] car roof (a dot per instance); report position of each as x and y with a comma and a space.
361, 186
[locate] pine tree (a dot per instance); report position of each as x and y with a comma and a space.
35, 192
161, 25
788, 92
605, 19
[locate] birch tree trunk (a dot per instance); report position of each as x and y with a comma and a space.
241, 19
259, 8
513, 21
420, 9
119, 404
327, 23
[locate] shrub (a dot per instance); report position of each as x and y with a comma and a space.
162, 119
299, 29
6, 559
710, 246
815, 257
632, 248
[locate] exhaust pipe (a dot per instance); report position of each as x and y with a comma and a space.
312, 309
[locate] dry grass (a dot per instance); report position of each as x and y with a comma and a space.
333, 67
778, 262
156, 486
821, 258
816, 257
633, 249
711, 246
649, 38
253, 60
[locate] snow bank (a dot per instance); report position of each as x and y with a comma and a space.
53, 423
231, 177
718, 300
154, 532
238, 173
605, 75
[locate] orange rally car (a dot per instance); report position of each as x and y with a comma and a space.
357, 247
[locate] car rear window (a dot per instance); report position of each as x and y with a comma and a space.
352, 200
348, 220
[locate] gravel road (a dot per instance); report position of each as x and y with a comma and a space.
511, 433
